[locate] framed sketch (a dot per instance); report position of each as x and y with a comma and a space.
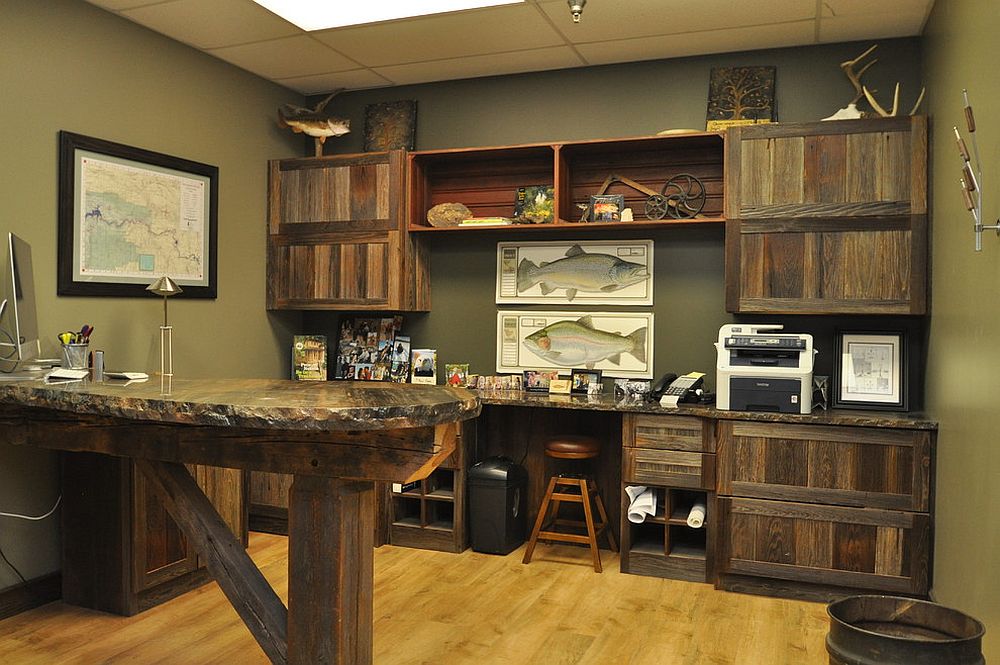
870, 371
390, 125
586, 272
617, 343
586, 381
128, 216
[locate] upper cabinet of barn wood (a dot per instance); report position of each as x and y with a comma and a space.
827, 217
337, 236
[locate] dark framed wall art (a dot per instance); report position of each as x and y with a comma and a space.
870, 370
128, 216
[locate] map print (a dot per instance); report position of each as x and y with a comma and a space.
138, 223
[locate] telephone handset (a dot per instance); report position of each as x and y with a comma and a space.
672, 390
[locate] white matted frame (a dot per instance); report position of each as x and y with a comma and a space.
870, 371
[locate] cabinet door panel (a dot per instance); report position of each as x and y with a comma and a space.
668, 432
861, 548
828, 219
850, 466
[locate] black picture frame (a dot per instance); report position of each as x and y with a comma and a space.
582, 378
202, 179
870, 370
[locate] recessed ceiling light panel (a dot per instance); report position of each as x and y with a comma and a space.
322, 14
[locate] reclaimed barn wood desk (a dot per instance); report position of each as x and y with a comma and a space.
336, 438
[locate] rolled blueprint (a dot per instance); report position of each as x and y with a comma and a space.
643, 502
696, 516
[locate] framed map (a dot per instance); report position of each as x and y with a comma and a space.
128, 216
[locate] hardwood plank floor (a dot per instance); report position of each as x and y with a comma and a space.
434, 608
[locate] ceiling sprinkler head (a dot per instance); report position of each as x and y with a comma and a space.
576, 8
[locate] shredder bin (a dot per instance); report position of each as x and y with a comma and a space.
497, 491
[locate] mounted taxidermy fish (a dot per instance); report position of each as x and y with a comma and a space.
313, 122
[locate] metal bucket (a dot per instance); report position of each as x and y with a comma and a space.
888, 630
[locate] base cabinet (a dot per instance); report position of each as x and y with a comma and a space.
834, 507
122, 552
674, 457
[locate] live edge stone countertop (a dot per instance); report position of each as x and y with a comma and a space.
253, 403
607, 402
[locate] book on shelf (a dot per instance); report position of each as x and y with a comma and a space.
309, 357
486, 221
535, 204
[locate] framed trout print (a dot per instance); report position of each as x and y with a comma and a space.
620, 344
588, 272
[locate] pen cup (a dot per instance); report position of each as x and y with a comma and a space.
74, 356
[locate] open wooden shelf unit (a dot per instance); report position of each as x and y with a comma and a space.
486, 179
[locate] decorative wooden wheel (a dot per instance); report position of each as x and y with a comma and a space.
684, 195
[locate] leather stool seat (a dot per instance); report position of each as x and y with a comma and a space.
572, 446
571, 489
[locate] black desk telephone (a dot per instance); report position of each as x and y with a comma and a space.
686, 388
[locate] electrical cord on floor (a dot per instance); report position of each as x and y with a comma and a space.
30, 518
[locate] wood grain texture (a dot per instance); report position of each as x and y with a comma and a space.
246, 588
668, 433
854, 206
338, 237
331, 568
450, 609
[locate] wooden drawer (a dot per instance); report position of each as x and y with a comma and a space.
849, 547
671, 468
642, 430
849, 466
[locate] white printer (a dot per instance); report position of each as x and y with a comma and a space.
760, 370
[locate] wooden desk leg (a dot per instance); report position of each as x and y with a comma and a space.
330, 571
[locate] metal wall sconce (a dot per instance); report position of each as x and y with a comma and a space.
165, 287
971, 181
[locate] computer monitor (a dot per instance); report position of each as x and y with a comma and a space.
18, 319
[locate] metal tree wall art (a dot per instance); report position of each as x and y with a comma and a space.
740, 95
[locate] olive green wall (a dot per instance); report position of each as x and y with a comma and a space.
68, 65
964, 358
634, 99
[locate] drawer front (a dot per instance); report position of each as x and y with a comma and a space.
668, 433
850, 547
848, 466
670, 468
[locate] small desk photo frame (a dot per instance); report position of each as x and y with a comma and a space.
870, 370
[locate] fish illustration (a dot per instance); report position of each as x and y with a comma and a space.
312, 122
580, 271
578, 343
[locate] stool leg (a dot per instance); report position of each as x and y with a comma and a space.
589, 518
530, 549
604, 518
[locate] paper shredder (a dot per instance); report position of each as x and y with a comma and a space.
497, 491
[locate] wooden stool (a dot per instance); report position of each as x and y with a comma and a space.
571, 447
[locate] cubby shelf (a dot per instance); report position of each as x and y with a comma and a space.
486, 179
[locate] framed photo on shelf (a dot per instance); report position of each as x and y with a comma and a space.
537, 381
128, 216
870, 371
606, 207
583, 379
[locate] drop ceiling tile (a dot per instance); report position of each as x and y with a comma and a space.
212, 24
485, 65
117, 5
444, 36
606, 20
700, 43
849, 28
285, 58
885, 8
355, 79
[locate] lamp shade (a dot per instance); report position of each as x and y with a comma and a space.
165, 287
